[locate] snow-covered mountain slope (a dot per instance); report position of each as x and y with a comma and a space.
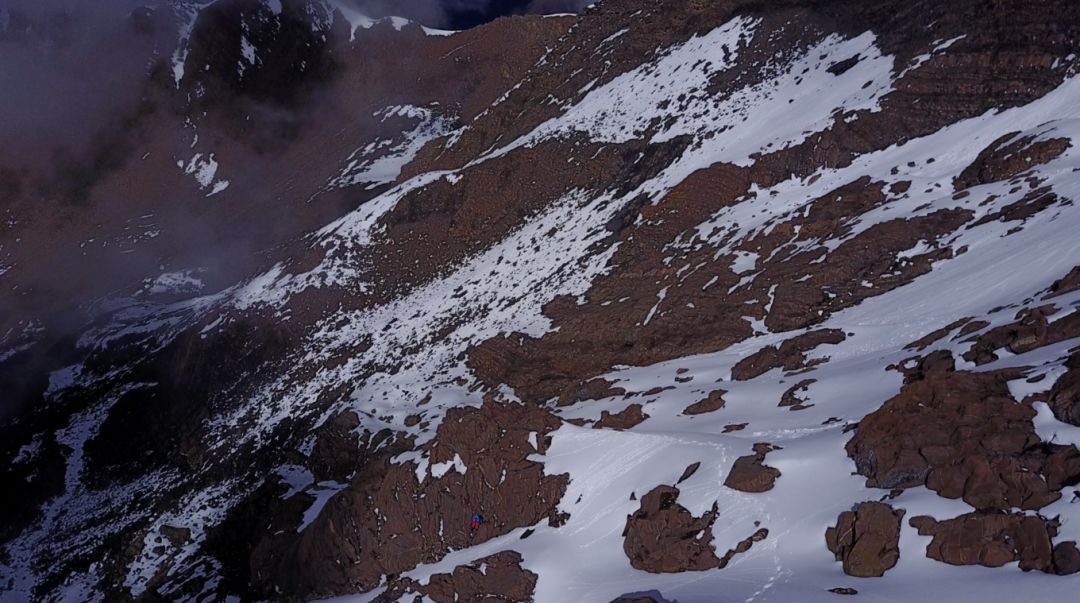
708, 301
167, 190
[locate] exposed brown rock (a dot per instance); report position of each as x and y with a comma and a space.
386, 522
866, 539
791, 399
688, 472
498, 577
934, 336
1019, 211
744, 545
750, 474
629, 417
178, 537
1004, 60
663, 537
1066, 284
994, 539
735, 427
971, 327
713, 402
917, 369
337, 450
1066, 558
640, 598
539, 369
1064, 398
652, 391
1032, 330
790, 355
963, 436
594, 389
1008, 157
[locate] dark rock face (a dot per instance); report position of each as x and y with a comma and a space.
790, 355
294, 53
750, 474
498, 577
159, 424
385, 521
663, 537
640, 598
592, 390
689, 472
713, 402
937, 335
866, 539
939, 361
1032, 330
1064, 397
337, 451
999, 463
791, 399
994, 539
1066, 284
1066, 558
1008, 157
626, 419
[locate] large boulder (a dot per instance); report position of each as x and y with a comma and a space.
866, 539
750, 473
963, 436
993, 539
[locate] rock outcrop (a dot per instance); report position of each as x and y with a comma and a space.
1033, 329
392, 516
963, 436
994, 539
663, 537
711, 403
750, 473
789, 355
1008, 157
629, 417
866, 539
1064, 398
497, 577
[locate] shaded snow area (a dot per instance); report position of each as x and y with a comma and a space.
19, 338
181, 281
380, 161
81, 512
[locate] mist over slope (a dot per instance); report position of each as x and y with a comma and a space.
661, 301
